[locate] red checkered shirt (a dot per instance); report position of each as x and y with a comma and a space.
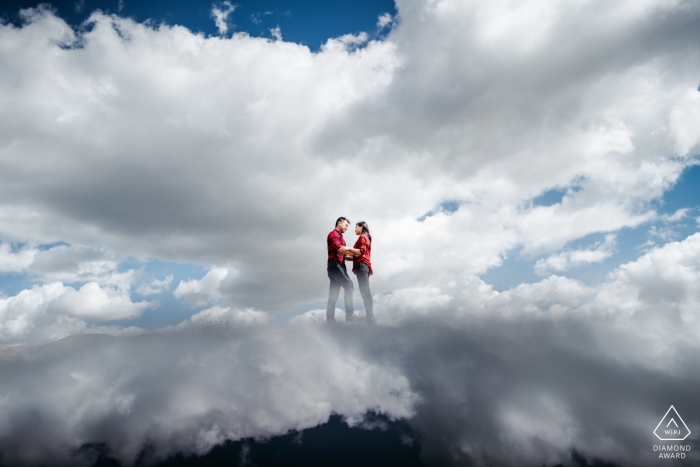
364, 244
335, 240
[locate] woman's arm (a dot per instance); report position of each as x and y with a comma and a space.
349, 253
353, 251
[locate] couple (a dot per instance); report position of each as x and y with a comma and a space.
338, 253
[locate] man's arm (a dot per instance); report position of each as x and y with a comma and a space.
351, 253
336, 245
358, 251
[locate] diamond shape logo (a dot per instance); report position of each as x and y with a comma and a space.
672, 427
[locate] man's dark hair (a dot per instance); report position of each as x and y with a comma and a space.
341, 219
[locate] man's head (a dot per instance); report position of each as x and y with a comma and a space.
341, 225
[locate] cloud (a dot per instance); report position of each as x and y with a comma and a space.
228, 152
684, 121
76, 263
15, 260
237, 154
417, 127
676, 216
98, 303
257, 18
23, 316
663, 281
317, 87
219, 318
155, 287
273, 125
384, 20
276, 33
220, 15
104, 293
573, 258
523, 377
53, 311
218, 313
204, 291
206, 389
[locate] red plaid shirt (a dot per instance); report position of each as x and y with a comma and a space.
335, 240
364, 244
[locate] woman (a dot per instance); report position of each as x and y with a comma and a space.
362, 266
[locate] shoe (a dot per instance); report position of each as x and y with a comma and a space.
370, 321
354, 319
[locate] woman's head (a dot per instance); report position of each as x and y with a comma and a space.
362, 228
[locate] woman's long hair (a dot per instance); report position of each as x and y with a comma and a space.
365, 229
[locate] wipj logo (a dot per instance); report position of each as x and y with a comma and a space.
671, 427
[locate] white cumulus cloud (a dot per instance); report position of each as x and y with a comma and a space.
221, 14
573, 258
203, 291
15, 260
238, 153
94, 302
155, 286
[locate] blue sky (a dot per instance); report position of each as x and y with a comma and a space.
529, 171
632, 242
311, 24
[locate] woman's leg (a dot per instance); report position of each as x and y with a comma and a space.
363, 281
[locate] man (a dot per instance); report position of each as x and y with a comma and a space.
337, 273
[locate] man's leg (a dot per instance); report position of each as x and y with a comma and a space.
333, 293
348, 289
363, 282
339, 276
